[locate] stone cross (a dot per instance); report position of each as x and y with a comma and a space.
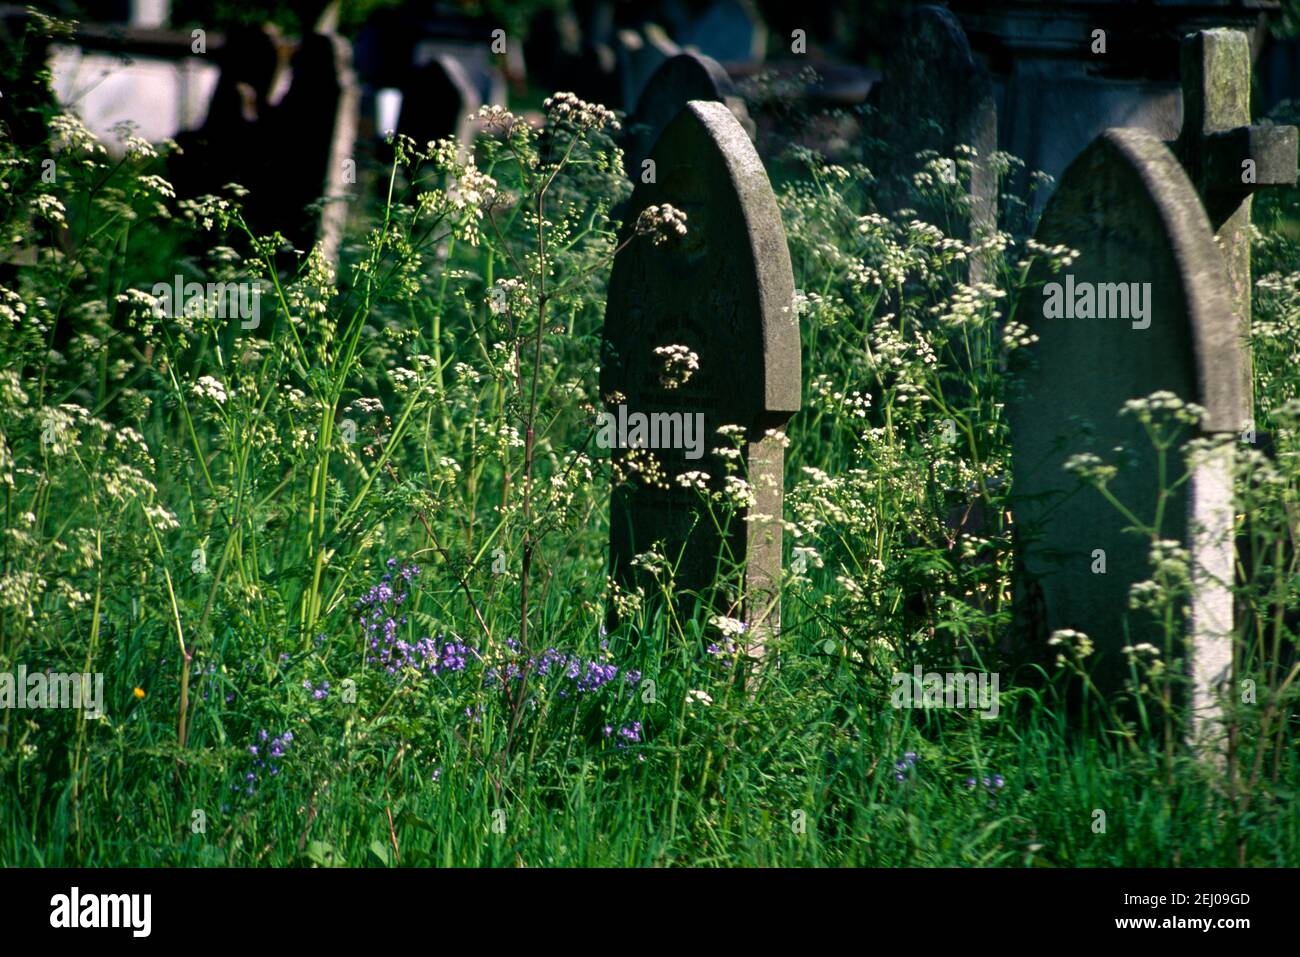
724, 291
1226, 157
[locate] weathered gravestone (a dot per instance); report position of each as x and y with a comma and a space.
1065, 72
728, 30
438, 103
1152, 303
677, 81
725, 291
639, 53
937, 97
316, 127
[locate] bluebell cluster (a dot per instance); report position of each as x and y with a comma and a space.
379, 612
265, 751
578, 674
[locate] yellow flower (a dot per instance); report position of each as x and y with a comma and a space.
138, 692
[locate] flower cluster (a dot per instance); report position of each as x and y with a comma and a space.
574, 672
680, 363
661, 223
992, 783
905, 764
1075, 644
1090, 468
566, 109
209, 388
265, 751
628, 734
379, 612
1162, 403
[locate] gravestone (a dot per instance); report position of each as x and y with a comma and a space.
727, 30
1129, 209
316, 124
340, 171
1063, 73
725, 291
218, 151
639, 53
485, 70
438, 103
1134, 214
677, 81
936, 96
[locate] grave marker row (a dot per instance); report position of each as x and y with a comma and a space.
1161, 240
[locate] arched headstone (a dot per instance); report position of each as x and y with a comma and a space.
1146, 307
677, 81
725, 291
937, 96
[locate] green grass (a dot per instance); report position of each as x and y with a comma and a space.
180, 486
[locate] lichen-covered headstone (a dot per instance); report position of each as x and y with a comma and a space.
725, 292
1145, 308
677, 81
1158, 300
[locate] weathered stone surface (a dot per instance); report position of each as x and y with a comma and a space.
1064, 73
1114, 203
936, 96
1214, 145
726, 291
1130, 210
677, 81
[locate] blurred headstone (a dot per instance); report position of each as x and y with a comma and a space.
639, 53
936, 97
438, 103
677, 81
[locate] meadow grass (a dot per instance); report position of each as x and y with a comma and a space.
344, 572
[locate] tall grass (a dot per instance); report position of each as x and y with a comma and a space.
344, 572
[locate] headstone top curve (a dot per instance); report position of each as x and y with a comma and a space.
1215, 333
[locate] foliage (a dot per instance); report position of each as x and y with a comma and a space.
341, 562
